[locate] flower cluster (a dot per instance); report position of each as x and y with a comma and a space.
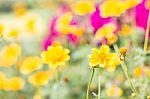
104, 58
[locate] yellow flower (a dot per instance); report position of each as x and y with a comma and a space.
112, 8
9, 54
113, 62
14, 84
19, 9
138, 71
30, 64
13, 33
99, 56
114, 91
112, 39
40, 78
1, 29
65, 18
117, 7
55, 56
63, 25
105, 31
131, 4
126, 30
103, 58
78, 31
31, 25
83, 7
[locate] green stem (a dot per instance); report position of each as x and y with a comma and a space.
125, 70
147, 32
99, 84
88, 89
124, 67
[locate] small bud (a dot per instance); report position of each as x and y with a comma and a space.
123, 50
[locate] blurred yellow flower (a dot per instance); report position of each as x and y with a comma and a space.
19, 9
30, 64
63, 25
111, 39
131, 4
13, 33
65, 18
83, 7
31, 25
138, 71
1, 29
114, 91
105, 31
14, 84
40, 78
126, 30
112, 8
55, 56
3, 80
9, 54
117, 7
103, 58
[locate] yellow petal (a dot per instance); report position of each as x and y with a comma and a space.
104, 49
40, 78
83, 7
30, 64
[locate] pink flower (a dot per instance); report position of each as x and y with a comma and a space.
97, 21
141, 15
73, 39
53, 34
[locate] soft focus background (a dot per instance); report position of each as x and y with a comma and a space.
28, 27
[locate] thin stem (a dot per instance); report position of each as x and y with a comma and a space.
127, 76
99, 84
88, 89
125, 70
147, 33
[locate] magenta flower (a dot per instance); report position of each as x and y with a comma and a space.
141, 15
97, 21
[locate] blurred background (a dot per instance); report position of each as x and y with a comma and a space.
28, 27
